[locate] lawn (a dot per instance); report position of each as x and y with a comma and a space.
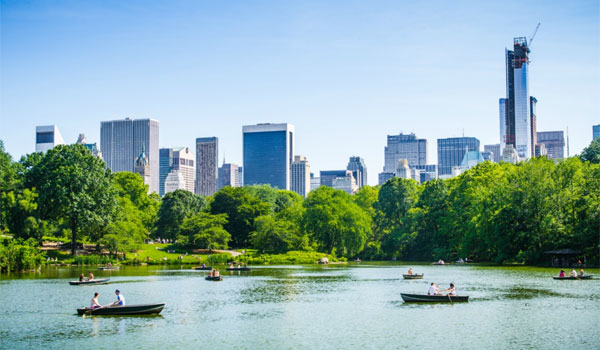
157, 253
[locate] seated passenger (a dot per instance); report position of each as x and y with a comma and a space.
410, 271
94, 304
431, 290
581, 273
451, 291
573, 273
562, 273
81, 278
91, 277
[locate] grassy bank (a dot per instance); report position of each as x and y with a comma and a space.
291, 257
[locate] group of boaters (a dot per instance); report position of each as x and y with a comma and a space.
572, 274
119, 302
82, 277
214, 273
434, 289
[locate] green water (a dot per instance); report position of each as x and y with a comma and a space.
304, 307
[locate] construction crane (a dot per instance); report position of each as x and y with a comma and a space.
534, 33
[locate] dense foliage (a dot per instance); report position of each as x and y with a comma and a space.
492, 212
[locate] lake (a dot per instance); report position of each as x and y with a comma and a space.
357, 306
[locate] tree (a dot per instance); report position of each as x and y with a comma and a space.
276, 236
241, 209
176, 206
335, 222
131, 186
592, 152
74, 186
205, 230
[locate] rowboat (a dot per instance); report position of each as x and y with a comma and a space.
424, 298
202, 268
416, 276
243, 268
94, 281
141, 309
214, 278
108, 268
584, 277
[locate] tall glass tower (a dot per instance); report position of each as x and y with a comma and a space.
268, 154
515, 110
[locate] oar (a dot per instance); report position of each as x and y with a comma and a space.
450, 299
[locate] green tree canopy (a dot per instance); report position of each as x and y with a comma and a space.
206, 231
592, 152
74, 186
176, 206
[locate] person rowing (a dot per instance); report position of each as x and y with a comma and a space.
91, 276
95, 304
410, 271
120, 299
81, 278
451, 291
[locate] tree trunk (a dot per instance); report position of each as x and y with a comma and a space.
73, 236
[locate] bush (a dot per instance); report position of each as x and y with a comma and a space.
291, 257
19, 255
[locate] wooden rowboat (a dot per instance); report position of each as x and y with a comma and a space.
244, 268
584, 277
424, 298
86, 282
141, 309
108, 268
214, 278
202, 268
415, 276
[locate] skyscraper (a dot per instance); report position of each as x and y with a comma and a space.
359, 170
121, 141
595, 131
93, 147
207, 163
495, 151
407, 147
554, 143
46, 137
178, 158
328, 176
451, 152
516, 121
268, 154
300, 176
228, 175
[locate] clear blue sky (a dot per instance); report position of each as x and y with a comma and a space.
345, 73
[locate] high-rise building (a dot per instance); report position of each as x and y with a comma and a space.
121, 141
516, 109
495, 152
174, 181
178, 158
554, 143
229, 175
385, 176
532, 107
46, 137
346, 184
451, 152
142, 167
315, 182
207, 164
403, 169
359, 170
328, 176
300, 176
93, 147
595, 131
268, 154
407, 147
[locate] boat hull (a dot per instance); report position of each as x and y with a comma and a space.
238, 269
584, 277
212, 278
106, 268
205, 268
141, 309
92, 282
418, 276
421, 298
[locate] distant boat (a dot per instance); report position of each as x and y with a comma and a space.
424, 298
214, 278
584, 277
416, 276
141, 309
106, 268
94, 281
241, 268
202, 268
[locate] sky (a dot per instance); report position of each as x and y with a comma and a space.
345, 73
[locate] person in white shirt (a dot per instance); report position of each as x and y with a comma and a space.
120, 299
432, 290
573, 273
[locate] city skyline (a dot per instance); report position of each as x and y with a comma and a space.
337, 84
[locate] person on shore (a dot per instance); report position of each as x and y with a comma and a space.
581, 273
91, 276
441, 262
562, 273
451, 291
431, 290
410, 271
573, 273
95, 304
120, 299
81, 278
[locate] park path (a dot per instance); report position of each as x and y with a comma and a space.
232, 252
